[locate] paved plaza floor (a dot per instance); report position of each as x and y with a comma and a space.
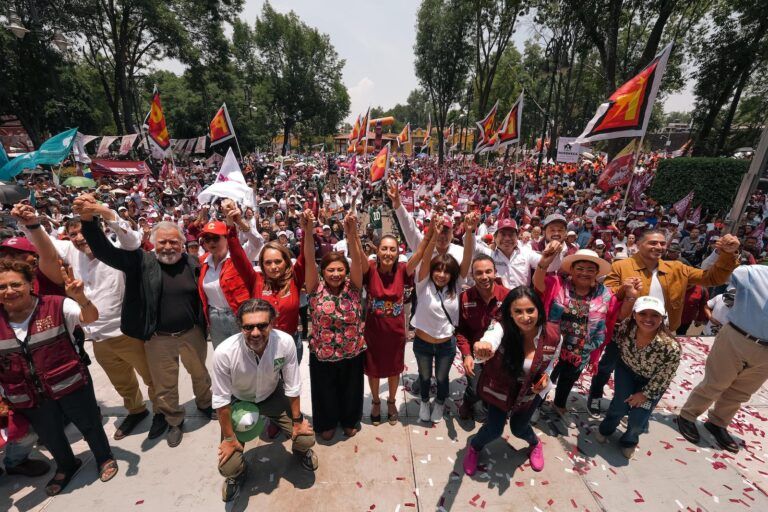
412, 467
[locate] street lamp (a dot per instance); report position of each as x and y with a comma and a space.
59, 41
15, 25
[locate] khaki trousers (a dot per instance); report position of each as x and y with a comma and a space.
736, 368
163, 353
274, 407
119, 357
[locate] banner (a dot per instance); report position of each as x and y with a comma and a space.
106, 141
56, 149
407, 199
78, 149
127, 143
200, 146
619, 171
230, 183
380, 165
568, 151
155, 123
221, 128
695, 217
509, 133
681, 207
405, 135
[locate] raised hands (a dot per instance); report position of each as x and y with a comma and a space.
632, 286
728, 243
74, 288
307, 221
471, 221
25, 213
350, 224
86, 206
550, 252
393, 192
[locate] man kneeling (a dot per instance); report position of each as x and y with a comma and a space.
258, 366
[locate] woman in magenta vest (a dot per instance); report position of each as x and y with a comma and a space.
522, 350
43, 376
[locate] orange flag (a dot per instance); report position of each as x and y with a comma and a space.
405, 135
155, 123
509, 133
428, 136
627, 111
487, 129
363, 134
355, 133
221, 126
380, 165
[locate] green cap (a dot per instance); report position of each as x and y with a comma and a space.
246, 421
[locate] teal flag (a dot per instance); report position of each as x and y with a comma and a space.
57, 148
18, 164
3, 156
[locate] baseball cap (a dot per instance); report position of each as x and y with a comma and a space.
647, 302
247, 422
326, 226
506, 224
282, 233
571, 233
599, 242
215, 227
19, 243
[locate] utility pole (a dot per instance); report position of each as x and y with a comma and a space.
748, 184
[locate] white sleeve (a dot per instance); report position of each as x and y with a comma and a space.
221, 380
711, 302
290, 371
493, 335
408, 225
533, 258
71, 314
127, 238
482, 248
709, 260
254, 243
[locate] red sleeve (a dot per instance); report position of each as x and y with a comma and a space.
701, 316
461, 330
552, 286
299, 267
240, 259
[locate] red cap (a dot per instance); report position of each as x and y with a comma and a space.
507, 224
215, 227
19, 243
488, 209
447, 223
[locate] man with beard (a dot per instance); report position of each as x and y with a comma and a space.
161, 306
555, 229
478, 306
118, 354
258, 367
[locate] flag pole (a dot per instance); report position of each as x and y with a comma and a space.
632, 176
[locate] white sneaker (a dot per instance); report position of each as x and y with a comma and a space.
437, 413
424, 411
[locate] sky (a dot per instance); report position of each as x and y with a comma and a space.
376, 39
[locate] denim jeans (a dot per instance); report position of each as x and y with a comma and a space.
222, 324
299, 346
604, 370
18, 451
626, 383
442, 354
519, 425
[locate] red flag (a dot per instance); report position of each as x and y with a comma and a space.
696, 216
355, 133
380, 165
405, 135
155, 123
619, 171
509, 133
428, 137
221, 128
486, 128
627, 111
681, 207
363, 133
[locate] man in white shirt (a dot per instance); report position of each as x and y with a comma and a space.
119, 355
248, 367
513, 261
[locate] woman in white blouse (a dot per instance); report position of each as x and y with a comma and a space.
438, 286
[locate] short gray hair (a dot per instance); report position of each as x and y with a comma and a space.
166, 225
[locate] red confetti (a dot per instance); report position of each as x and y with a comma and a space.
718, 465
550, 502
359, 485
355, 448
477, 497
482, 504
409, 504
545, 482
705, 491
372, 507
520, 484
682, 462
400, 478
648, 453
140, 502
597, 494
394, 458
379, 439
573, 502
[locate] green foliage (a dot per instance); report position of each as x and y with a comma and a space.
713, 180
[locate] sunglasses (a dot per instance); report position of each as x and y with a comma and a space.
250, 327
208, 239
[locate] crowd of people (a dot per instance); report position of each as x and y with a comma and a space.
535, 282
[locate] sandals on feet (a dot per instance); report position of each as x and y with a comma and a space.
376, 418
60, 480
108, 470
392, 414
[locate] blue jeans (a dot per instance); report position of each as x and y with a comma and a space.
18, 451
442, 354
519, 425
626, 383
299, 346
604, 370
222, 324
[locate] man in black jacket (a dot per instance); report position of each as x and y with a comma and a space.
162, 307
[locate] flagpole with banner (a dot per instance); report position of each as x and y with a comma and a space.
632, 177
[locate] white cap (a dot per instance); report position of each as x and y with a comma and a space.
570, 233
599, 242
282, 233
326, 226
647, 302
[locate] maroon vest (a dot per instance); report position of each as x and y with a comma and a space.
44, 365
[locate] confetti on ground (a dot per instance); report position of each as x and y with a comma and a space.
139, 502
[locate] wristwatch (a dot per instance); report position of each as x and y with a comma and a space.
300, 419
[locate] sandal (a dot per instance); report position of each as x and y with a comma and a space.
392, 414
376, 418
61, 481
104, 472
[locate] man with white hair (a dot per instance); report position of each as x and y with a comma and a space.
161, 306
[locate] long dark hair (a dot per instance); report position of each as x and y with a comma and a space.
446, 263
512, 340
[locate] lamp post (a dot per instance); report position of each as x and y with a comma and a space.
15, 25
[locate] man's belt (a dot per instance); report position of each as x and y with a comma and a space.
744, 333
173, 334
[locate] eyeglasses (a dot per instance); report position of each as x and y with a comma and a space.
209, 239
250, 327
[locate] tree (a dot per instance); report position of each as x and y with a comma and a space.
301, 73
443, 55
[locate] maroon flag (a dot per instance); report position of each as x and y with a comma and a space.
681, 207
695, 217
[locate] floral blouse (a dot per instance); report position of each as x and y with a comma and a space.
337, 325
657, 362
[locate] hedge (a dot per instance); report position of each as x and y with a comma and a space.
714, 181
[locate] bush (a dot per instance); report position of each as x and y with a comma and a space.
714, 181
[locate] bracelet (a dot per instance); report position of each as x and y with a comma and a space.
228, 439
33, 226
541, 268
299, 419
85, 305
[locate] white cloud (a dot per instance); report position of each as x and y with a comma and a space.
361, 95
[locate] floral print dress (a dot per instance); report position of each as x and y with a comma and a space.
337, 323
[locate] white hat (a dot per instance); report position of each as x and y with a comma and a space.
282, 233
571, 233
326, 226
647, 302
603, 267
599, 242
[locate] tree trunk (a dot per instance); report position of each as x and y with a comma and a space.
726, 128
287, 127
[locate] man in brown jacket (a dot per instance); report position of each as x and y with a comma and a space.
665, 280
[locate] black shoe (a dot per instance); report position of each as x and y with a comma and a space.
159, 426
309, 460
231, 487
722, 437
30, 467
129, 423
174, 435
209, 413
688, 429
593, 407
